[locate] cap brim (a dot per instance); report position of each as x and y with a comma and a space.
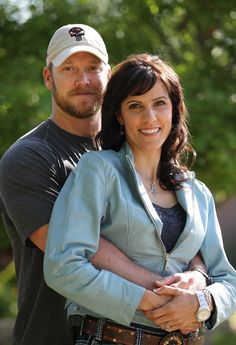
60, 58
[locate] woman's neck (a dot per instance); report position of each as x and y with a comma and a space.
147, 165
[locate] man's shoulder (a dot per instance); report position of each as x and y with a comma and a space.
39, 135
29, 152
105, 156
106, 160
33, 142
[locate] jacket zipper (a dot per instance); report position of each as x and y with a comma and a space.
165, 254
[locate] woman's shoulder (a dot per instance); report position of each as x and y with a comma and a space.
105, 161
199, 186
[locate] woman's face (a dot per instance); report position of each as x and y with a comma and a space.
147, 119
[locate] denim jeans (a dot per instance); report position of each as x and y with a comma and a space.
88, 340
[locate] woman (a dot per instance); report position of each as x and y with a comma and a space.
139, 194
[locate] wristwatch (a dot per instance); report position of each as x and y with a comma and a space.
204, 311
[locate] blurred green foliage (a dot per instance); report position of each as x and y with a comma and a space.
8, 292
222, 337
224, 334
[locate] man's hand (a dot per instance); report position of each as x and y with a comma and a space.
191, 280
152, 301
178, 313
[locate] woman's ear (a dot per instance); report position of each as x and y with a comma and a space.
120, 119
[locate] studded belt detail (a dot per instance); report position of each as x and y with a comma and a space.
116, 333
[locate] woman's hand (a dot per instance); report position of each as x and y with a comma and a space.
178, 313
191, 280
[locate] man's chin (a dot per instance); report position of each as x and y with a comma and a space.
82, 115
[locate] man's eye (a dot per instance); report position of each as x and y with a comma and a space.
69, 68
95, 68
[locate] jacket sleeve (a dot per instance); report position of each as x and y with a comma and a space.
74, 233
224, 275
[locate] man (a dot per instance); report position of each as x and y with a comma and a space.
34, 169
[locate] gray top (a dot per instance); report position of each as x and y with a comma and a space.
32, 173
173, 219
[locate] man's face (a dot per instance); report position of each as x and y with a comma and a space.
78, 85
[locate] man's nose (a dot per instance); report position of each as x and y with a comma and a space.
82, 78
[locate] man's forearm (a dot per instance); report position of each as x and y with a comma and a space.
111, 258
197, 263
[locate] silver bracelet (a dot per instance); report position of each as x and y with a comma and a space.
209, 280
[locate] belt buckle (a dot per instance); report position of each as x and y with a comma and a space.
173, 338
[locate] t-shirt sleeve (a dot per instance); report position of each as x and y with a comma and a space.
29, 185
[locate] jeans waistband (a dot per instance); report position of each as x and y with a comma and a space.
136, 334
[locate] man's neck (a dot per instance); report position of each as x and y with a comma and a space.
82, 127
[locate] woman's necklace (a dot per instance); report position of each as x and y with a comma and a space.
152, 184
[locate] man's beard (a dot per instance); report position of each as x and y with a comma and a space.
88, 110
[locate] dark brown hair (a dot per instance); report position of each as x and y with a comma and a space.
135, 76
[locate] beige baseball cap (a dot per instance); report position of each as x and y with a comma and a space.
73, 38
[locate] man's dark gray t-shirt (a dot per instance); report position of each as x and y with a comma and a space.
32, 173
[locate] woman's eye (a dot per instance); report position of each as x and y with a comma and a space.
134, 106
160, 103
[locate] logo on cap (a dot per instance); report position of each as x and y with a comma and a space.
77, 33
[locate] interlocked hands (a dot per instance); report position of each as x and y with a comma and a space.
172, 305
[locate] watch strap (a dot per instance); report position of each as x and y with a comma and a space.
209, 299
201, 299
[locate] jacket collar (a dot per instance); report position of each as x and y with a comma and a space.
184, 195
126, 150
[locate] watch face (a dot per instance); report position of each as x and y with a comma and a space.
203, 314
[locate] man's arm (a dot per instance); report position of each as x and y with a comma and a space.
111, 258
39, 237
108, 257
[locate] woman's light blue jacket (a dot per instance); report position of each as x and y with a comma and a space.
104, 196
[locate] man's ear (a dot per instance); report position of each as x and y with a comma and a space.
47, 77
108, 72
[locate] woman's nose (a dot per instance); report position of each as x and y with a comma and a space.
150, 113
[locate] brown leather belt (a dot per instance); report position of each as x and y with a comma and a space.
116, 333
